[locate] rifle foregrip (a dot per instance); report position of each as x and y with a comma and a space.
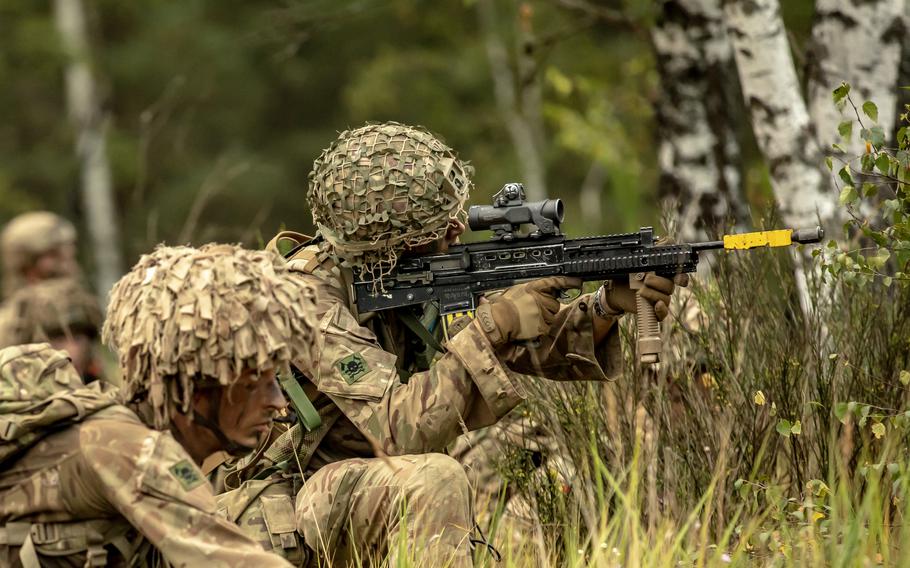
649, 346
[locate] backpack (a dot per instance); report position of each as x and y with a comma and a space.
41, 393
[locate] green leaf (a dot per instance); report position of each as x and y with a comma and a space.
871, 110
797, 428
883, 163
841, 92
783, 428
905, 378
867, 163
889, 207
869, 189
845, 176
561, 83
902, 135
829, 163
877, 137
887, 281
878, 429
863, 414
880, 258
845, 129
848, 195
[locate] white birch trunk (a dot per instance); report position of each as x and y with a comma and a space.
88, 120
780, 118
590, 197
859, 43
521, 127
699, 153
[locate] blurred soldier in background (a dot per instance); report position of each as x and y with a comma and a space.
59, 311
36, 246
384, 385
200, 334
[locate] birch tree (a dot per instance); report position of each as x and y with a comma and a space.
859, 43
89, 123
699, 153
779, 114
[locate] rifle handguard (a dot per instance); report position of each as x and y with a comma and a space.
649, 345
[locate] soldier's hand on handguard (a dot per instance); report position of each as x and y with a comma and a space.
616, 298
524, 311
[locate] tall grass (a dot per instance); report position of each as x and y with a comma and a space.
771, 435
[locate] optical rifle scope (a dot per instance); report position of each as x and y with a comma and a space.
510, 211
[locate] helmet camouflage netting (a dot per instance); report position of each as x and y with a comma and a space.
57, 306
184, 315
383, 187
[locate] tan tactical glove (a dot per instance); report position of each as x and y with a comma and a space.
616, 298
524, 311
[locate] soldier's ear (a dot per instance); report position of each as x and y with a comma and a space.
454, 229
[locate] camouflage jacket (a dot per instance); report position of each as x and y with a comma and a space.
101, 487
467, 387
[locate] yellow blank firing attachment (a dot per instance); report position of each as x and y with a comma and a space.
779, 238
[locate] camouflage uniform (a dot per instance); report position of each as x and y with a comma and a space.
58, 310
378, 401
108, 488
88, 481
28, 237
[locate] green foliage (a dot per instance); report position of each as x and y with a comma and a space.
218, 108
879, 214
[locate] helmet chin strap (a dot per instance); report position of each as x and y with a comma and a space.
212, 425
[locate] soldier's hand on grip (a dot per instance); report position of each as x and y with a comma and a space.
524, 311
617, 298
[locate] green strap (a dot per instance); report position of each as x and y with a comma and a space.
410, 320
306, 412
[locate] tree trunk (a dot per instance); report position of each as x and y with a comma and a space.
89, 122
699, 153
780, 118
860, 43
516, 107
590, 197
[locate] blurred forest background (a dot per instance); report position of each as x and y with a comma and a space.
215, 110
777, 428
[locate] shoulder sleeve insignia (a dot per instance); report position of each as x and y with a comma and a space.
187, 474
353, 367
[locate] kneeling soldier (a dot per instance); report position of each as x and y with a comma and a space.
87, 479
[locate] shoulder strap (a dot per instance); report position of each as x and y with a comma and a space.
303, 406
408, 318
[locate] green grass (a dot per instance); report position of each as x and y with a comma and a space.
771, 435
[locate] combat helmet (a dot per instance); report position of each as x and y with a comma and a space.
58, 306
26, 238
384, 187
185, 317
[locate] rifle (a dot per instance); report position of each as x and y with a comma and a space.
456, 278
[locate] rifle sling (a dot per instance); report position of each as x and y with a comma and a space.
306, 412
410, 320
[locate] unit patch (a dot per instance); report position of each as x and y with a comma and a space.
353, 367
187, 474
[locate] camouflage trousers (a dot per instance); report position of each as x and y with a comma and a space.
354, 512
